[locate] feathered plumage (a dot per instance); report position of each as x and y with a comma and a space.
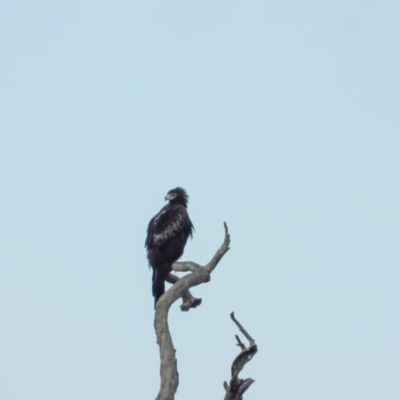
167, 234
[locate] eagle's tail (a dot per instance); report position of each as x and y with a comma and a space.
160, 274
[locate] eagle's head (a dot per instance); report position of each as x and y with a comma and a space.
177, 196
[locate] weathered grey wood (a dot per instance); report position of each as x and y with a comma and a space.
237, 386
180, 289
188, 301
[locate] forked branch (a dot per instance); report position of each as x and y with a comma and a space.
180, 289
237, 386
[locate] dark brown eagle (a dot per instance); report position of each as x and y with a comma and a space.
167, 234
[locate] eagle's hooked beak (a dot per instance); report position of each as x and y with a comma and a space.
170, 196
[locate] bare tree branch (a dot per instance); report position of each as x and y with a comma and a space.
185, 266
220, 252
237, 386
188, 301
238, 324
180, 289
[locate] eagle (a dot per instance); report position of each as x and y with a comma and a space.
167, 234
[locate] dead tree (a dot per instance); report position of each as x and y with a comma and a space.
180, 289
237, 386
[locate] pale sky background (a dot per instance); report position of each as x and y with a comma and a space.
281, 118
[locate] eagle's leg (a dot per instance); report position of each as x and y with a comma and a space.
188, 301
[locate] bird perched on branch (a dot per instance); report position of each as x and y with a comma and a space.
167, 234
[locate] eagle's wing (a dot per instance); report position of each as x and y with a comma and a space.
168, 223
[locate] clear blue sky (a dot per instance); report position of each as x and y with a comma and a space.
281, 118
